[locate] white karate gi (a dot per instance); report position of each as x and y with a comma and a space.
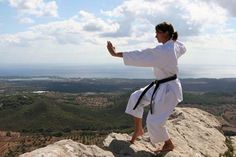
163, 59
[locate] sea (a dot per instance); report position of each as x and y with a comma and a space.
113, 71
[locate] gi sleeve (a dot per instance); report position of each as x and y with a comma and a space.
152, 57
180, 49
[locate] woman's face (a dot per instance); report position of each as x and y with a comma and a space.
162, 37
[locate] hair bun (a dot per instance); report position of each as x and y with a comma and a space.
175, 35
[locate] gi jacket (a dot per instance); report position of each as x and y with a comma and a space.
164, 61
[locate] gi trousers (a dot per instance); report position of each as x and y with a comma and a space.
164, 103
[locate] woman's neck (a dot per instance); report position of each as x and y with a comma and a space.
165, 41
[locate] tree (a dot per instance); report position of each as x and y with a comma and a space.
8, 134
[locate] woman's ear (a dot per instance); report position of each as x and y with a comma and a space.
166, 34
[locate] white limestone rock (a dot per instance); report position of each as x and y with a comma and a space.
68, 148
194, 132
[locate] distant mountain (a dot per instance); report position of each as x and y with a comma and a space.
78, 85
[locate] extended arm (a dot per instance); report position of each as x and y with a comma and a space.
154, 57
112, 50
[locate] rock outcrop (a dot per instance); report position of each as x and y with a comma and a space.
194, 132
68, 148
233, 139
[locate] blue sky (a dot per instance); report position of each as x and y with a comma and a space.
75, 32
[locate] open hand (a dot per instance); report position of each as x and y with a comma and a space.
111, 48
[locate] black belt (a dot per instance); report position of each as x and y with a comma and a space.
157, 83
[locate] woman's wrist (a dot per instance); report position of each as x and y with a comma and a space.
119, 54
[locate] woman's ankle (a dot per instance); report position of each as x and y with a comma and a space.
169, 142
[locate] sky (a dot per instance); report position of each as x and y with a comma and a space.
76, 32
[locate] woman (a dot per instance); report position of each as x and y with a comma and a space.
161, 95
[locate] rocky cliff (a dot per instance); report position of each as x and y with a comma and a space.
194, 132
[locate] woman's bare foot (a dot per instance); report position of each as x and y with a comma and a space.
137, 133
168, 146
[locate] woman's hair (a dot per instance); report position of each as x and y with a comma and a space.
167, 27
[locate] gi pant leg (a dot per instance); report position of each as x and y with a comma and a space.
138, 112
163, 108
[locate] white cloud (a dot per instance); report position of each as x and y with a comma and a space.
229, 5
35, 7
211, 49
81, 28
21, 38
91, 23
26, 20
202, 24
130, 21
189, 17
132, 12
204, 15
62, 32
